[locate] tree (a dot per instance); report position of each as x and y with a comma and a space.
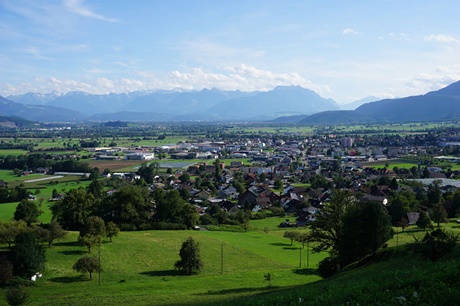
190, 261
90, 241
172, 208
112, 230
184, 178
9, 231
217, 170
6, 271
87, 264
129, 205
28, 255
27, 211
291, 235
439, 214
278, 184
72, 211
94, 226
95, 188
424, 220
393, 184
327, 229
366, 228
55, 232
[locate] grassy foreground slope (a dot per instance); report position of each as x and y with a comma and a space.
138, 270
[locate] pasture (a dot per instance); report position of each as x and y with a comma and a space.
138, 269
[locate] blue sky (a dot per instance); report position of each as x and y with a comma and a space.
345, 50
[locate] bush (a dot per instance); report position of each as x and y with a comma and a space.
16, 296
436, 244
328, 266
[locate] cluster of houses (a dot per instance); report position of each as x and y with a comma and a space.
274, 159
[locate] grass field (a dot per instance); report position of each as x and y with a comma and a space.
45, 193
138, 270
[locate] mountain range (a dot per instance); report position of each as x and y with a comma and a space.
207, 104
292, 104
440, 105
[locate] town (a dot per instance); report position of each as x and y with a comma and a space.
235, 178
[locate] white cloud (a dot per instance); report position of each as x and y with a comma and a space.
443, 38
349, 31
241, 77
422, 83
77, 7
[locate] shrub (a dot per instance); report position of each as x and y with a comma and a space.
16, 296
436, 244
328, 266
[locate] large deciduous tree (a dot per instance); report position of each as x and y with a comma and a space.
27, 211
438, 214
87, 264
327, 229
366, 228
190, 261
92, 233
72, 211
349, 230
172, 208
129, 205
9, 230
28, 255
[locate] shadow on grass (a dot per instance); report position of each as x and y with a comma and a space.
291, 248
162, 273
74, 252
238, 290
305, 271
70, 279
73, 243
280, 244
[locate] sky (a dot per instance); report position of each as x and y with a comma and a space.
344, 50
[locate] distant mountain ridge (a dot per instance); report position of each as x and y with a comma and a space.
207, 104
38, 112
292, 104
354, 105
443, 104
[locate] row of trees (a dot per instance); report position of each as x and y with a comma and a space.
131, 207
36, 160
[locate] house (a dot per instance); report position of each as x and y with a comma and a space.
230, 207
228, 192
202, 195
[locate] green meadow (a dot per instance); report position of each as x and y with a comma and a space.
43, 191
138, 269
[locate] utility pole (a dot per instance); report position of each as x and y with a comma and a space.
222, 258
99, 269
300, 249
308, 256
